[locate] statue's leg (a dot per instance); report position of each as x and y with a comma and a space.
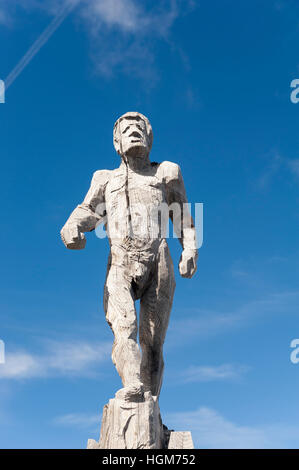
155, 307
120, 312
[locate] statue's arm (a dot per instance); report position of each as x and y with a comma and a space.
86, 215
181, 218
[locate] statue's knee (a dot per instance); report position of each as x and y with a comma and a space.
122, 324
125, 338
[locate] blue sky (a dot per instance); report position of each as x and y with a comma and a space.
214, 79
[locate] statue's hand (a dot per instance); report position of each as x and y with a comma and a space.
73, 238
187, 265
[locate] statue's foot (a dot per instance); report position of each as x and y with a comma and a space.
134, 392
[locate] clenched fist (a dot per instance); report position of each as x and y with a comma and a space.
187, 265
73, 238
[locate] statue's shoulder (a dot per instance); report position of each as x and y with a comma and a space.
169, 170
101, 177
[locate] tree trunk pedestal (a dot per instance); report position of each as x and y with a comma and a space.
137, 424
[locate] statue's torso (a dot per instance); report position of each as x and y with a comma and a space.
132, 200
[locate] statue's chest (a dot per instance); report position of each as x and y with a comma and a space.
134, 188
147, 189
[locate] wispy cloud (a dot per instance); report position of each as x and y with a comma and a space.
207, 323
130, 51
130, 16
211, 430
203, 323
276, 164
126, 15
212, 373
20, 365
79, 420
59, 359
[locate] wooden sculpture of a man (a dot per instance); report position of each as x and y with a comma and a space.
128, 200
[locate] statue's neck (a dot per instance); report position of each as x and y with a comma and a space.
136, 163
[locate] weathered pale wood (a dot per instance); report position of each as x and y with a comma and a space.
137, 425
180, 440
132, 425
131, 202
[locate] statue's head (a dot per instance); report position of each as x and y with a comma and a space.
133, 135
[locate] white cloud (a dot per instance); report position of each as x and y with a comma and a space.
210, 430
202, 324
125, 14
128, 15
206, 323
78, 420
131, 51
20, 365
60, 359
76, 357
212, 373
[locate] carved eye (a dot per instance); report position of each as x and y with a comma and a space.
128, 127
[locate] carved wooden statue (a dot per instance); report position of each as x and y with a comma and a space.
131, 202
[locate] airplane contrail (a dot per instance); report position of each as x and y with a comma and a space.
40, 42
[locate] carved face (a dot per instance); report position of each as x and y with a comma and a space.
133, 136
